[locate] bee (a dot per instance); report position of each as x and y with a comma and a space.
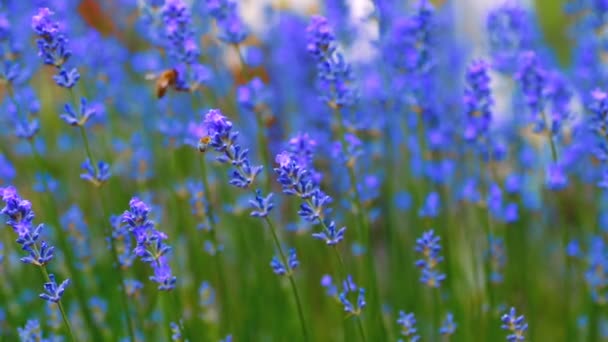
203, 143
164, 81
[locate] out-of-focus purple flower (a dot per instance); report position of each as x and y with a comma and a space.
428, 246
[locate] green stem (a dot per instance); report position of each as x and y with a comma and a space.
551, 142
363, 228
66, 322
361, 330
65, 247
290, 276
115, 260
225, 311
87, 148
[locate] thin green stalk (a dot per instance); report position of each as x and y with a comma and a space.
85, 140
115, 260
225, 311
66, 322
361, 330
289, 275
65, 247
108, 233
550, 137
364, 230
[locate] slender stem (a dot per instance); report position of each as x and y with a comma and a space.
362, 222
87, 148
225, 312
64, 246
550, 137
63, 314
115, 260
361, 330
363, 227
290, 276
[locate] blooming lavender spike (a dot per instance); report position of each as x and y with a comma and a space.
448, 327
53, 291
223, 140
262, 205
334, 75
428, 245
82, 117
478, 102
31, 331
177, 19
296, 180
20, 217
352, 293
53, 47
281, 269
150, 247
516, 325
408, 326
232, 29
97, 176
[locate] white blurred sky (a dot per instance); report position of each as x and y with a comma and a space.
470, 16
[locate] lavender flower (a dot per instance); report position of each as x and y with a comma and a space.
53, 291
262, 205
532, 78
182, 44
296, 180
408, 326
232, 29
97, 176
478, 102
20, 216
53, 47
82, 117
223, 139
150, 243
281, 269
448, 327
30, 332
334, 74
516, 325
350, 292
428, 245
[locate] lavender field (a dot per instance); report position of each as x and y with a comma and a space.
171, 170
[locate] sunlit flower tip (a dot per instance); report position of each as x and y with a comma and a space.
82, 117
331, 235
97, 176
53, 291
448, 327
283, 159
203, 143
408, 326
516, 325
262, 205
